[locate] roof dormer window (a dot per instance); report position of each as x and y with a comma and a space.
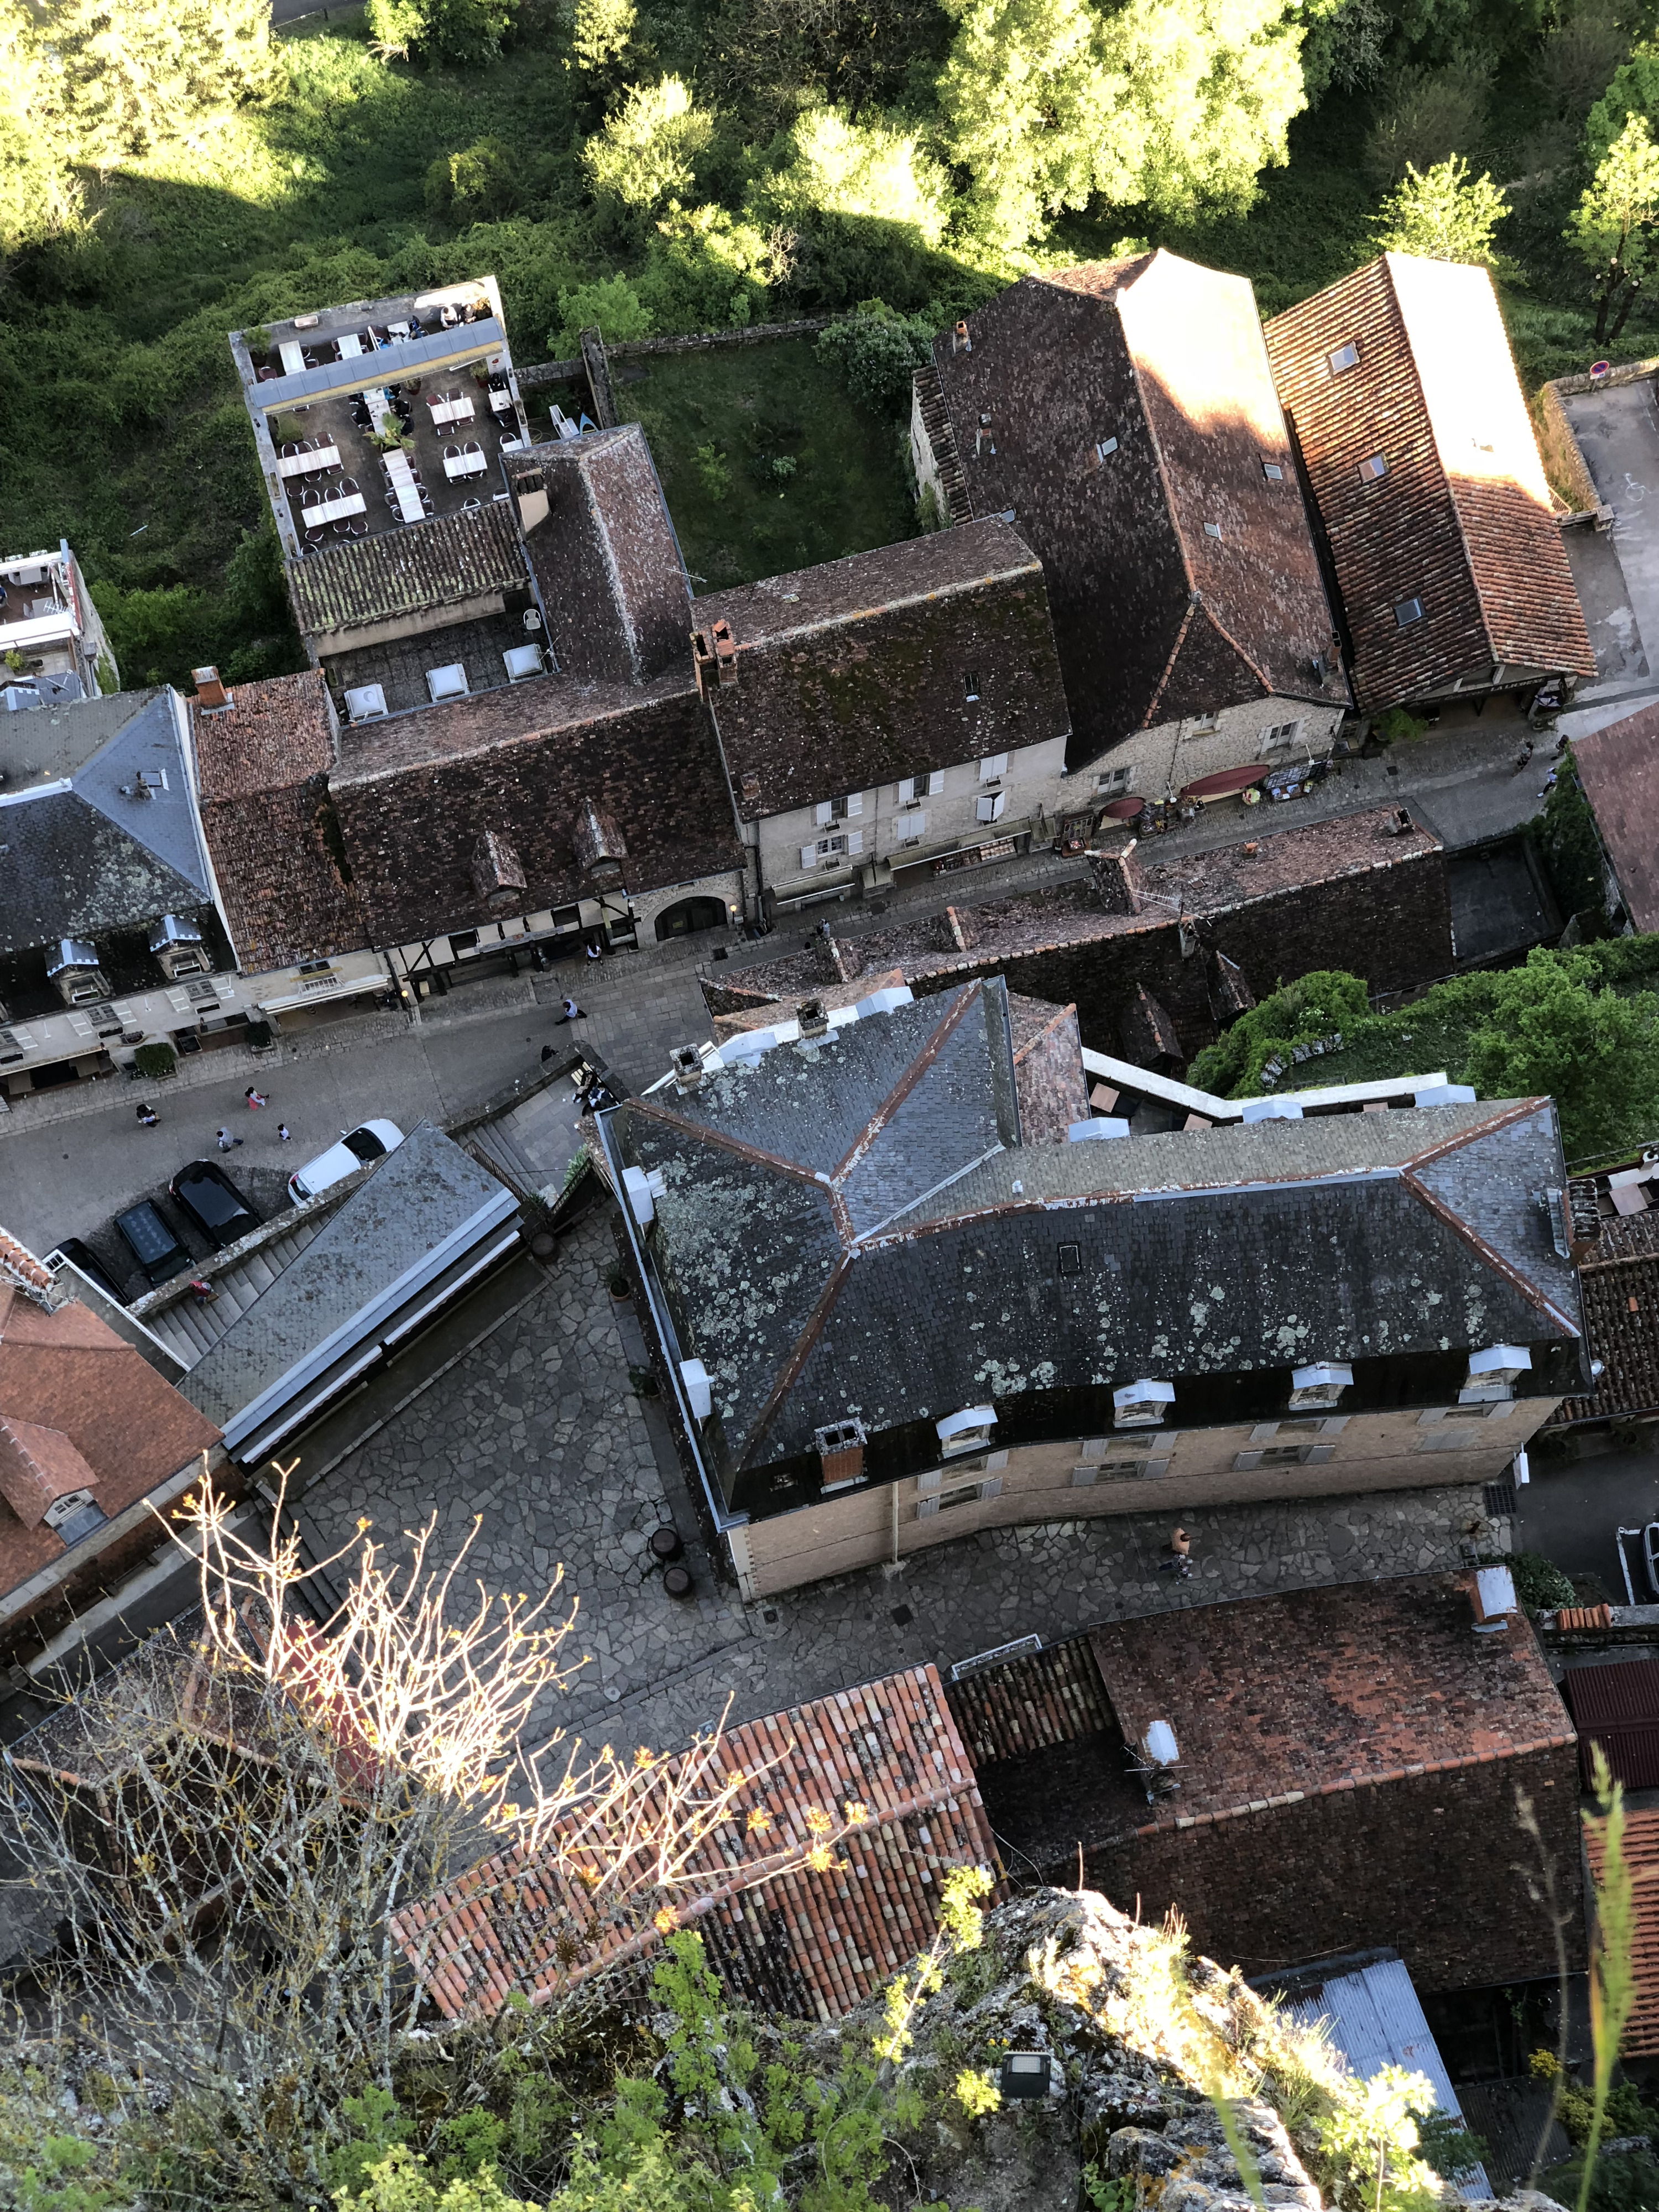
1320, 1385
1141, 1405
967, 1431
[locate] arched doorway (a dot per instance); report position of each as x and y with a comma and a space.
686, 917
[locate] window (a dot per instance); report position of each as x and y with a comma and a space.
1202, 724
967, 1432
970, 686
930, 1501
1283, 1456
927, 785
993, 766
463, 940
837, 809
1346, 356
1280, 734
1068, 1260
912, 826
1372, 467
1274, 470
831, 850
1408, 611
990, 805
1212, 530
1111, 781
1105, 449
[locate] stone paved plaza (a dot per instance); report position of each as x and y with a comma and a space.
537, 1431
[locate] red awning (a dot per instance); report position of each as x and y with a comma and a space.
1227, 782
1123, 810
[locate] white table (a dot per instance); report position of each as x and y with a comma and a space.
293, 359
464, 465
502, 402
333, 510
377, 405
306, 464
453, 411
409, 503
350, 346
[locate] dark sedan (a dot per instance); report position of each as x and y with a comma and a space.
213, 1203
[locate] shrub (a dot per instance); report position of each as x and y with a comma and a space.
879, 352
154, 1061
610, 305
1539, 1582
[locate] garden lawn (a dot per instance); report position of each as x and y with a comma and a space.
767, 463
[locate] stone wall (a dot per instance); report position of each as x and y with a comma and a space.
1426, 1864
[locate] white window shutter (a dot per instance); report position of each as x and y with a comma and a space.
855, 802
992, 1486
990, 806
935, 782
1243, 1461
809, 856
854, 843
905, 789
823, 813
1082, 1476
992, 766
925, 1508
1318, 1454
1264, 1432
915, 824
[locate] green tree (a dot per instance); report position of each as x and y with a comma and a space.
879, 352
600, 32
482, 184
835, 165
609, 305
1614, 224
1445, 215
1551, 1032
647, 150
467, 32
115, 77
1171, 105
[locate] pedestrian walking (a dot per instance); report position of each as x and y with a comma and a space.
572, 1012
226, 1140
591, 949
255, 1099
1522, 757
148, 1117
283, 1135
202, 1292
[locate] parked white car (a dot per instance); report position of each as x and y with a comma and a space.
369, 1140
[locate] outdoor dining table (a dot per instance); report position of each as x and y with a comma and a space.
404, 489
350, 345
377, 405
333, 510
293, 359
464, 465
307, 464
502, 402
458, 409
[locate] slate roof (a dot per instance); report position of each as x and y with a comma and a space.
1618, 773
1462, 520
425, 1191
1182, 578
851, 1228
606, 561
46, 743
450, 558
77, 1393
857, 672
810, 1944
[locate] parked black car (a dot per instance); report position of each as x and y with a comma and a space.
82, 1255
145, 1233
213, 1203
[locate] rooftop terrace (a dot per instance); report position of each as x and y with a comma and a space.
381, 415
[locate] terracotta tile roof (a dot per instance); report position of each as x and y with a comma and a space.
18, 1264
1641, 2039
274, 734
1051, 1697
1183, 577
447, 559
65, 1374
285, 897
1462, 520
1619, 773
1048, 1079
818, 1942
1327, 1690
1620, 1299
913, 657
37, 1468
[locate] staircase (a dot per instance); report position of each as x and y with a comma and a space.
190, 1330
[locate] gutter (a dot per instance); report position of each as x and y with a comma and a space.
721, 1515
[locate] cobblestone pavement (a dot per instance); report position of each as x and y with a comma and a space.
539, 1434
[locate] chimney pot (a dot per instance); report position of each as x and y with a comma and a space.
687, 1064
209, 691
814, 1017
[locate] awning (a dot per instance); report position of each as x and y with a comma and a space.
323, 989
1226, 782
1123, 810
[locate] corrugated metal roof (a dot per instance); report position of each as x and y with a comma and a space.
399, 572
1375, 2020
386, 364
1618, 1707
1641, 2039
812, 1944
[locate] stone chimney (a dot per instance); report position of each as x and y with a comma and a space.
211, 693
814, 1017
687, 1063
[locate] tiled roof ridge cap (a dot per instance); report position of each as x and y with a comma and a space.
626, 701
1506, 1112
1248, 659
789, 1372
1059, 1015
1150, 715
607, 548
896, 604
665, 1118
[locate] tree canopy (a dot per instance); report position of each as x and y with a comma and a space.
1615, 223
1445, 215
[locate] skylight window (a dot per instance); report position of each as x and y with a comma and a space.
1371, 468
1273, 470
1408, 611
1346, 355
1212, 530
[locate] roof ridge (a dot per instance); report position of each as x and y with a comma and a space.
756, 1153
942, 1031
1514, 1109
1509, 1273
788, 1372
1222, 631
1167, 669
